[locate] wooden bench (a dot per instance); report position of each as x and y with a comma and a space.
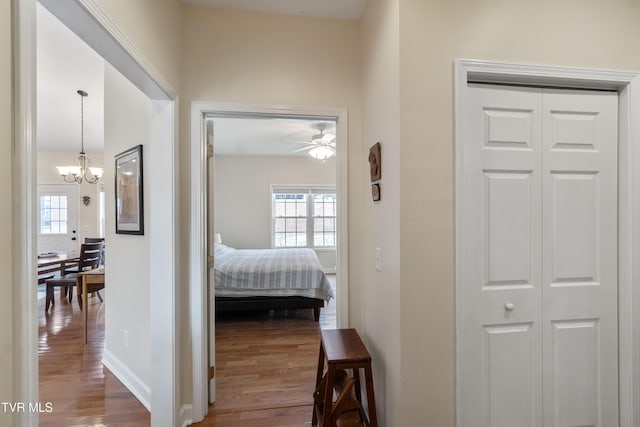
343, 350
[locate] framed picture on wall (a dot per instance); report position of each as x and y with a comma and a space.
375, 162
129, 192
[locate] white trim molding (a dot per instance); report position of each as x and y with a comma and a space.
185, 416
200, 111
130, 380
627, 84
25, 303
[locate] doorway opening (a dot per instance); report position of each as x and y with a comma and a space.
100, 33
274, 234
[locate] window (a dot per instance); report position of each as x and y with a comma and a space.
304, 217
53, 214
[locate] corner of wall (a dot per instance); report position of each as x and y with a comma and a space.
130, 380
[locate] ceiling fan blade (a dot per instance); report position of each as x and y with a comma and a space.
299, 150
328, 137
303, 142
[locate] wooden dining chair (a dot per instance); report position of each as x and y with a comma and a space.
65, 290
97, 240
89, 259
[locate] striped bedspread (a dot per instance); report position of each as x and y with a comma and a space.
269, 272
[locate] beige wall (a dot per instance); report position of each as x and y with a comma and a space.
243, 198
127, 119
432, 35
6, 227
381, 289
380, 297
260, 58
155, 28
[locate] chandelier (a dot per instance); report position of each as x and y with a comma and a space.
82, 171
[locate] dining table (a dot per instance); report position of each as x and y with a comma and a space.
86, 278
56, 263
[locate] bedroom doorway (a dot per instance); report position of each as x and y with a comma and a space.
246, 161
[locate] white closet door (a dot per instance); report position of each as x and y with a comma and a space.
580, 280
539, 265
502, 285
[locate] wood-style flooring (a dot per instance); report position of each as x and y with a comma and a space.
265, 369
72, 378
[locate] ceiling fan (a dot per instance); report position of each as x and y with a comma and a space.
322, 145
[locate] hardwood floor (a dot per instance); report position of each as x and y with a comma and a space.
72, 378
265, 369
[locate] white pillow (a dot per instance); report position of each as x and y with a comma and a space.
222, 250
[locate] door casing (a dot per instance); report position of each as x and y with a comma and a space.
628, 86
198, 262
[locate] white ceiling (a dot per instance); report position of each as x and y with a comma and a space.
339, 9
265, 136
65, 64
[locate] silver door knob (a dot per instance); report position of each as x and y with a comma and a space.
509, 306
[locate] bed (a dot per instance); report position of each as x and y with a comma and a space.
254, 279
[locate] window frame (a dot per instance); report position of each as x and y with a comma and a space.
309, 190
51, 209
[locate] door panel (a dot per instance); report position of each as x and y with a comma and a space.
580, 292
502, 318
574, 197
507, 230
508, 352
539, 283
575, 388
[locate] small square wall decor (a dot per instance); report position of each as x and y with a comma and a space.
375, 192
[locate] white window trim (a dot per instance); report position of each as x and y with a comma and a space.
66, 222
302, 187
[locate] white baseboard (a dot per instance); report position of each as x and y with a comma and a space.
130, 380
185, 415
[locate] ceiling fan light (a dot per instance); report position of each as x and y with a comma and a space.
321, 153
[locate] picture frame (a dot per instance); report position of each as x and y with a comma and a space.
375, 162
129, 194
375, 192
